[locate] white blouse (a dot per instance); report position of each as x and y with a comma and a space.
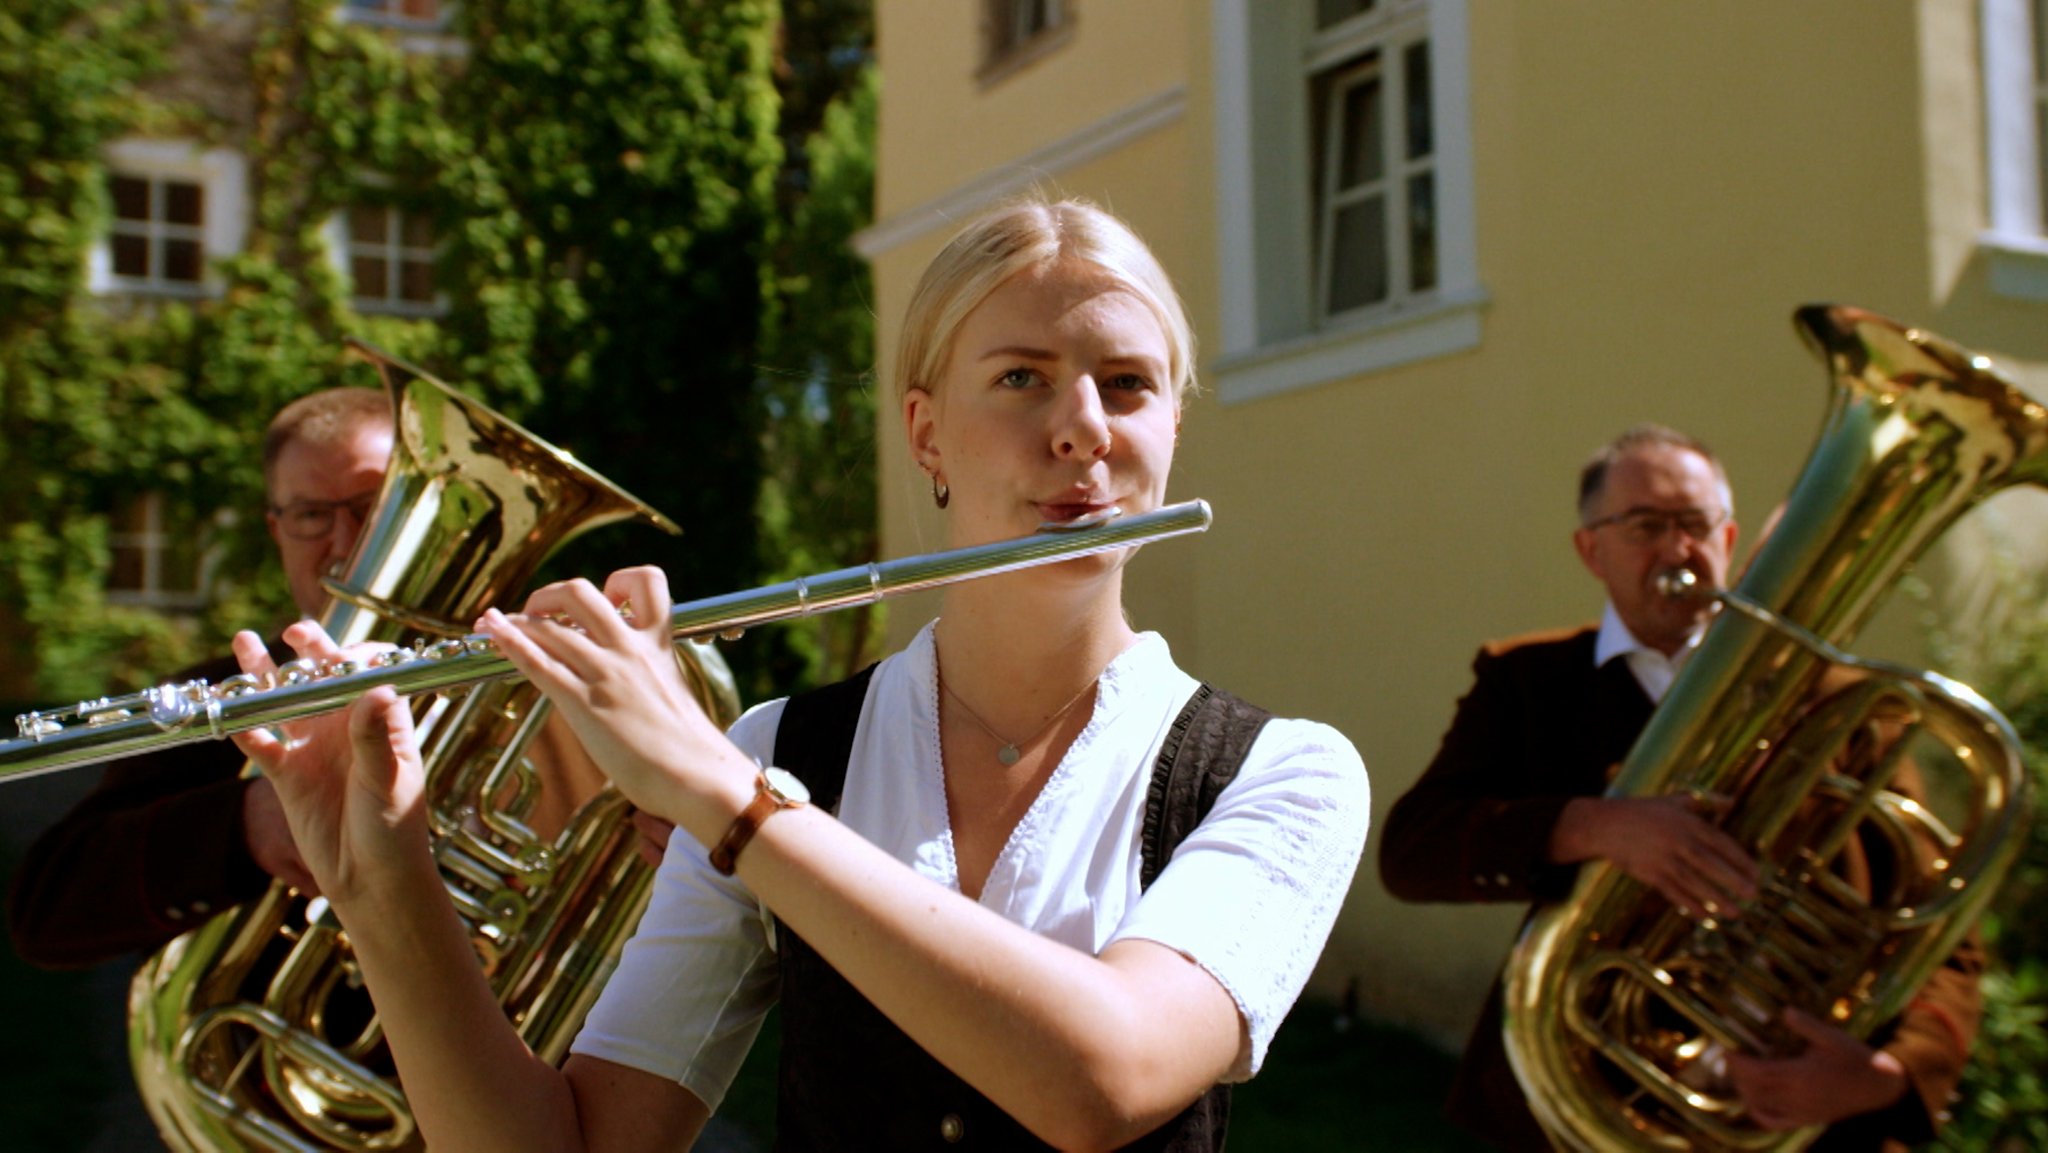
1250, 895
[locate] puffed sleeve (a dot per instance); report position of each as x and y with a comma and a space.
699, 974
1252, 892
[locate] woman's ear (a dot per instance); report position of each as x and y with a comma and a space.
920, 424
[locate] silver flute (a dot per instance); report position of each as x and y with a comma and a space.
180, 713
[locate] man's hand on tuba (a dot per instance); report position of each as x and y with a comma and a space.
1835, 1076
1666, 843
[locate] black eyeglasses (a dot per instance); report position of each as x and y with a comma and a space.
313, 519
1649, 525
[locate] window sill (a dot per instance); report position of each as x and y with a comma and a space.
120, 286
404, 310
2017, 264
1422, 332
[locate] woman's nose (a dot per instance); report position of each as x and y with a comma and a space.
1083, 425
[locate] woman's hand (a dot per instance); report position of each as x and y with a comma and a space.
350, 781
614, 677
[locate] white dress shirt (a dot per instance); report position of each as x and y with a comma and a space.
1653, 670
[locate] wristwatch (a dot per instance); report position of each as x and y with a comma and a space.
774, 790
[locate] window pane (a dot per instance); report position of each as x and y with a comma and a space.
1421, 232
1415, 85
1330, 12
1038, 15
2041, 156
372, 275
178, 570
368, 225
1358, 261
1362, 162
2040, 40
416, 229
125, 572
131, 256
132, 517
181, 260
416, 281
131, 198
183, 203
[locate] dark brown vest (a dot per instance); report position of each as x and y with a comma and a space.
850, 1079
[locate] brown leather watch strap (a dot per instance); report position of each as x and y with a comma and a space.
725, 856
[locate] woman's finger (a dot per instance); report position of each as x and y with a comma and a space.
535, 661
311, 641
261, 746
642, 595
252, 654
380, 729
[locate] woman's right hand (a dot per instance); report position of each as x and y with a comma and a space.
614, 677
351, 781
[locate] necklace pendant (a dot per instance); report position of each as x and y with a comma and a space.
1008, 754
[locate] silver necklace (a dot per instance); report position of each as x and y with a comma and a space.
1011, 751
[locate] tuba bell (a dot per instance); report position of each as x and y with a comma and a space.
1619, 1007
253, 1031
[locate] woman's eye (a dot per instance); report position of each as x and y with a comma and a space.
1130, 382
1018, 378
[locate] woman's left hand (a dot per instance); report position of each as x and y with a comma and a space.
350, 783
615, 678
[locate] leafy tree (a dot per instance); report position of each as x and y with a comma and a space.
608, 256
818, 503
2003, 1101
619, 217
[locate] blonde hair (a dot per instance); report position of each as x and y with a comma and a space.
1027, 234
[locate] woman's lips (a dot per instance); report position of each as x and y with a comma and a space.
1060, 512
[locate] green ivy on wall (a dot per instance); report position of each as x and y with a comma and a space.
610, 189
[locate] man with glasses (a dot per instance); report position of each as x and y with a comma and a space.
1513, 802
168, 838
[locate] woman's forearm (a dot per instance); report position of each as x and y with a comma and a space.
1084, 1051
469, 1078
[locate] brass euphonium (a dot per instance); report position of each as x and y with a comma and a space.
1619, 1006
253, 1031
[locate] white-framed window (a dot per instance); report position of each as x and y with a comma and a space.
1345, 189
159, 554
407, 13
1374, 170
389, 256
2015, 55
419, 27
175, 210
1015, 32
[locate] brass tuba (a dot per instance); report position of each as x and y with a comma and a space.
1618, 1006
253, 1031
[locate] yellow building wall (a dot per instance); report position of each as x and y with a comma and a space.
1657, 187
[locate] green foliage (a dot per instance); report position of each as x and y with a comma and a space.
2004, 1093
817, 504
618, 218
608, 262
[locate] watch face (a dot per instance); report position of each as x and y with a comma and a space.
785, 786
